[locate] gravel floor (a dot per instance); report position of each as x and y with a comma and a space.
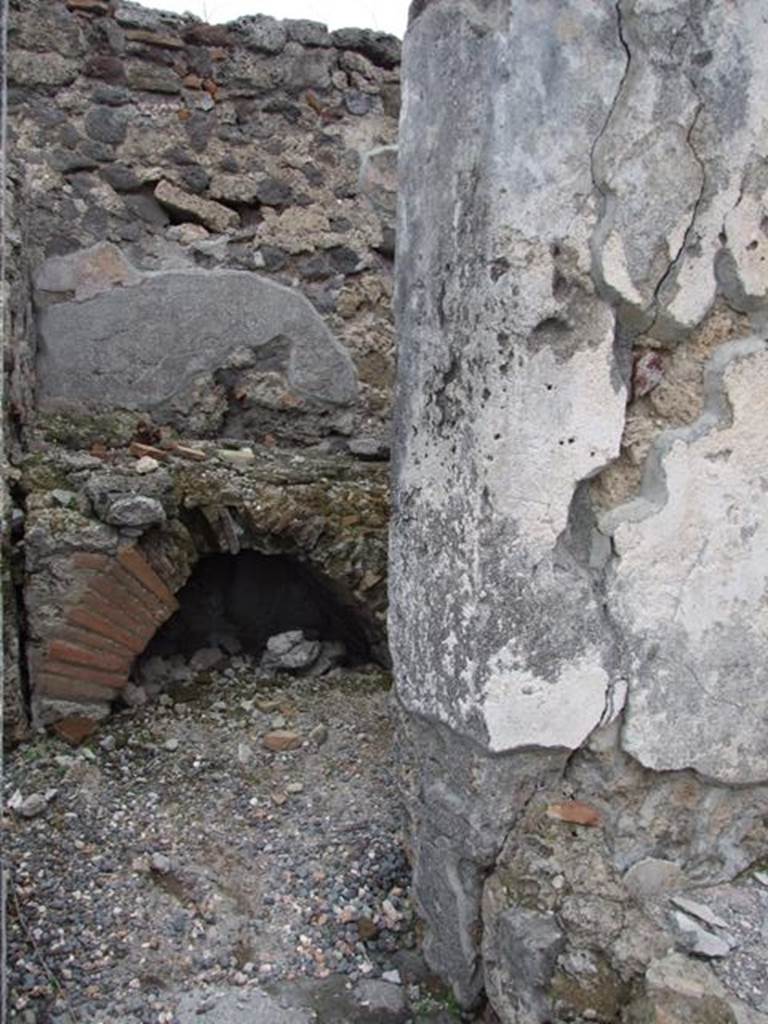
174, 850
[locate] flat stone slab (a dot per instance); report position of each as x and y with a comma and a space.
251, 1006
135, 340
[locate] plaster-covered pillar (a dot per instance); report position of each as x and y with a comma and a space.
578, 570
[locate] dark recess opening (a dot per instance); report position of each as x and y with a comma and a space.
237, 602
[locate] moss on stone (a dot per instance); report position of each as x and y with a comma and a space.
603, 991
81, 430
673, 1008
39, 473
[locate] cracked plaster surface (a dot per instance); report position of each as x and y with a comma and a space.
561, 233
673, 163
689, 581
581, 185
508, 351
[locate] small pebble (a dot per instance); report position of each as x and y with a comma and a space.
319, 734
31, 806
146, 464
160, 863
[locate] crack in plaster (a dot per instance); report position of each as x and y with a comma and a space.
602, 187
677, 258
616, 689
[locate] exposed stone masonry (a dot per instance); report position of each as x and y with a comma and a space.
200, 238
99, 588
260, 146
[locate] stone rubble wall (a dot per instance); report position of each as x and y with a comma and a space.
261, 147
200, 243
578, 568
18, 378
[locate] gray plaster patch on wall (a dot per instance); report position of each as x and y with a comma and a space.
689, 582
129, 340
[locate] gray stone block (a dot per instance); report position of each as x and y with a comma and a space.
139, 345
261, 33
106, 124
135, 510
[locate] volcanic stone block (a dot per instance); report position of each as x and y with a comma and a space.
138, 344
213, 215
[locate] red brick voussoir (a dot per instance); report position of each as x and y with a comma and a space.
113, 609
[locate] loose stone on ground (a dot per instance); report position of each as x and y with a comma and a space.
158, 874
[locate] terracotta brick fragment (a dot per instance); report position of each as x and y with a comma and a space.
143, 450
159, 610
140, 35
76, 654
90, 6
282, 739
123, 602
85, 638
112, 612
75, 729
184, 452
136, 564
112, 569
575, 812
95, 623
208, 35
90, 560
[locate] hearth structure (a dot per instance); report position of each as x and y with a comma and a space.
215, 556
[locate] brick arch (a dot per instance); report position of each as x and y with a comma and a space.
113, 607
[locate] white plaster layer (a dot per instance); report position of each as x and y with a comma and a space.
507, 352
690, 585
745, 228
524, 709
677, 155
